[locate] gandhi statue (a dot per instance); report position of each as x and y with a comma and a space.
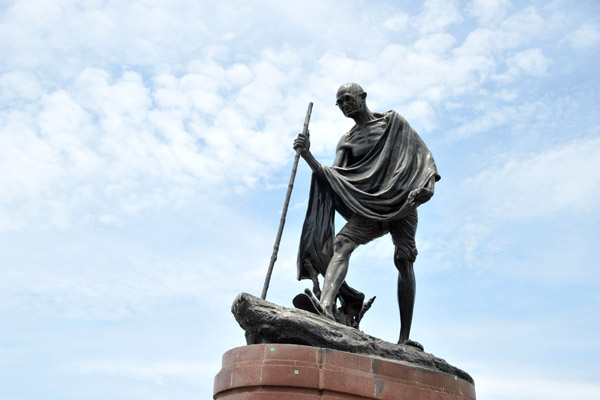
381, 173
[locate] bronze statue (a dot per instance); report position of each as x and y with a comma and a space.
382, 172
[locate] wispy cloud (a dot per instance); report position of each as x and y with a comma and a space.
488, 12
501, 386
587, 36
518, 191
207, 120
437, 16
533, 186
156, 372
99, 136
531, 62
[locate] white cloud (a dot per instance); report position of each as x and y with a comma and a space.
531, 186
106, 132
528, 387
484, 123
157, 372
513, 196
531, 62
434, 69
438, 43
512, 32
522, 27
397, 22
586, 36
173, 125
95, 277
420, 111
62, 38
488, 12
507, 95
18, 87
437, 15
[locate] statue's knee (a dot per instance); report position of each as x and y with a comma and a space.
402, 261
343, 247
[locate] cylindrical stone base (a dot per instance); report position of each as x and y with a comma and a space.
292, 372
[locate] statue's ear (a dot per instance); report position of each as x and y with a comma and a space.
363, 95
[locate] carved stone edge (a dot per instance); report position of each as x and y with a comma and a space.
266, 322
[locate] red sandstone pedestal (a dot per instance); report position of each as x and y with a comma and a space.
292, 372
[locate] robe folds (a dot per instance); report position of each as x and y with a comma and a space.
375, 187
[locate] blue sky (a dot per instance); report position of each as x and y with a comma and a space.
145, 149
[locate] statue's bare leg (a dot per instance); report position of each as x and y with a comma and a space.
336, 273
406, 294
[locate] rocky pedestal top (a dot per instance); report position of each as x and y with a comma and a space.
265, 322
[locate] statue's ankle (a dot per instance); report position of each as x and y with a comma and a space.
328, 312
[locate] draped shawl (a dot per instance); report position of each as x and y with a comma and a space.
376, 187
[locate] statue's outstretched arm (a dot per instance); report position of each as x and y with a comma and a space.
302, 143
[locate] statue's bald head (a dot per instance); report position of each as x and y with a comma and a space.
350, 87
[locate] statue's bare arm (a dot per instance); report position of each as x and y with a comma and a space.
302, 144
340, 158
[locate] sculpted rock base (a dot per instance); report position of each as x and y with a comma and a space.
265, 322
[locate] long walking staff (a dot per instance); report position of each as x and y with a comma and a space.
285, 207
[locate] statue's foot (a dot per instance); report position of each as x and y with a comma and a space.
412, 343
305, 301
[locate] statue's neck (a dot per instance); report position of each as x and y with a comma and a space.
364, 116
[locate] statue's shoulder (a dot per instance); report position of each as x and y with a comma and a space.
392, 114
399, 121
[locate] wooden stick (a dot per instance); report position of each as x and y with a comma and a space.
285, 208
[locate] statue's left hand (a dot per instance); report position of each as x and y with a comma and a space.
419, 196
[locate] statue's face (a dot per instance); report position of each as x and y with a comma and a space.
350, 103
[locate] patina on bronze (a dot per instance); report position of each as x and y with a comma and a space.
382, 172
